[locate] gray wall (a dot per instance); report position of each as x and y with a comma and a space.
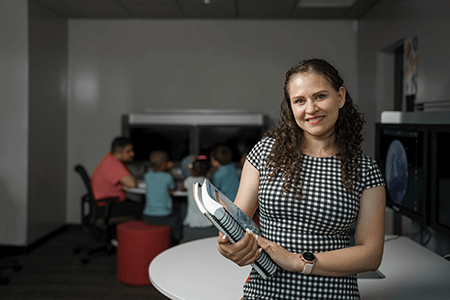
33, 59
120, 66
388, 23
384, 26
123, 66
13, 121
47, 153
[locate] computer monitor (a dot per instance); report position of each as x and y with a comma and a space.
440, 179
173, 139
238, 138
402, 153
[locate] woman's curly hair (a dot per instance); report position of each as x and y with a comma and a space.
286, 154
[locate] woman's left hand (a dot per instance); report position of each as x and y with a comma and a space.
283, 258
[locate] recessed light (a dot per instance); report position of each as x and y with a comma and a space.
207, 2
326, 3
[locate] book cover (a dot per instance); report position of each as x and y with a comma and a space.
230, 220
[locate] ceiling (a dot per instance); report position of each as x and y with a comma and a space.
209, 9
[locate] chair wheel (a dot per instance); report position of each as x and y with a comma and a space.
76, 250
4, 281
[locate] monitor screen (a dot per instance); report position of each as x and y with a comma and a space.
172, 139
440, 176
401, 152
238, 138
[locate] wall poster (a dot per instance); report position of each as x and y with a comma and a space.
410, 67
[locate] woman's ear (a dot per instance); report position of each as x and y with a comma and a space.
341, 96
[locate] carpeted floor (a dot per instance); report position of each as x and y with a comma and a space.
52, 271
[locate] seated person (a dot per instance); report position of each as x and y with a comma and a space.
159, 205
196, 225
111, 175
225, 177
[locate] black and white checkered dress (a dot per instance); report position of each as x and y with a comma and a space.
318, 222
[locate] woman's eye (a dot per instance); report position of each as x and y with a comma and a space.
321, 96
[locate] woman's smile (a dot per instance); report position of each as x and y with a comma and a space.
314, 120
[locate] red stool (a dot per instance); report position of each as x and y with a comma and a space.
139, 243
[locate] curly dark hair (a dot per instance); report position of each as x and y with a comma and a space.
286, 153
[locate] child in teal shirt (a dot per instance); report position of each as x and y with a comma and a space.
159, 184
225, 178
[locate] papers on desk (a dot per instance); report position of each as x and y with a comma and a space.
141, 184
141, 190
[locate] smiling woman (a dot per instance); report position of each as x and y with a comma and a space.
311, 182
330, 125
315, 105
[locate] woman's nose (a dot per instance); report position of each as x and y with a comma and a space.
311, 107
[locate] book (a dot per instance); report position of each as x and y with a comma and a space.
231, 221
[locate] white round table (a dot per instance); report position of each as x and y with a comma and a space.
197, 271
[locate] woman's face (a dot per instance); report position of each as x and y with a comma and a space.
315, 104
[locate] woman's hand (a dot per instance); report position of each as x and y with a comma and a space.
243, 252
283, 258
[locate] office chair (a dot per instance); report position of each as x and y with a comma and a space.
8, 263
99, 228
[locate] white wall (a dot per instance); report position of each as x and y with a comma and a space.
122, 66
13, 121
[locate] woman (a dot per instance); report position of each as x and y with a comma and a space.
311, 182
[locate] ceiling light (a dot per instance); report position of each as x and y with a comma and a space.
207, 2
326, 3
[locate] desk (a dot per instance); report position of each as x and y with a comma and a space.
179, 198
188, 272
185, 272
412, 272
141, 190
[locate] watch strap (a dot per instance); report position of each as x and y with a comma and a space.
309, 264
307, 269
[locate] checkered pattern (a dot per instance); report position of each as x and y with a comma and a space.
318, 222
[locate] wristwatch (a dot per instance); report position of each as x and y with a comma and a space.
309, 259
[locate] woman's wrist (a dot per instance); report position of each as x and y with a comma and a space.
297, 264
308, 260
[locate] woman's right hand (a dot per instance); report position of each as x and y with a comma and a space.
243, 252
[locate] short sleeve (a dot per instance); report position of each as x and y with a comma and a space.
118, 172
257, 156
374, 176
113, 170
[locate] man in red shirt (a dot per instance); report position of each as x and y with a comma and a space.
112, 174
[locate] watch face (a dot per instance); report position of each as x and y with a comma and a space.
308, 256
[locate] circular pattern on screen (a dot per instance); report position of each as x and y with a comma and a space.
397, 171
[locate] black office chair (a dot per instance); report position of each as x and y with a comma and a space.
8, 263
99, 228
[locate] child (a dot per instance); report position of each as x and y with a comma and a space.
196, 225
225, 177
159, 206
